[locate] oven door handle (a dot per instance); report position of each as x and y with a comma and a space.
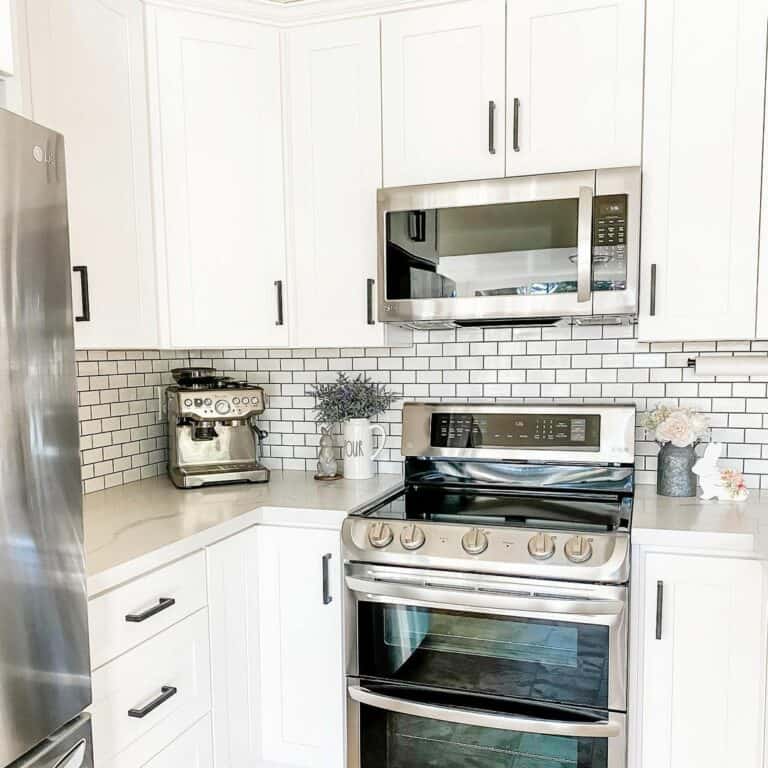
477, 600
602, 729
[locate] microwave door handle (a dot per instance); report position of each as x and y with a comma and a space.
584, 253
502, 603
602, 729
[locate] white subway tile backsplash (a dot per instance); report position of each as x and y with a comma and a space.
124, 437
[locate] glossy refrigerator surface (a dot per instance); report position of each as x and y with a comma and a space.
44, 660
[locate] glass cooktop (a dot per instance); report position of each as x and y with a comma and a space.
536, 496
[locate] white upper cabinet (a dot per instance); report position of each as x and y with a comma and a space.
6, 39
443, 93
216, 108
702, 155
88, 82
335, 169
702, 683
574, 84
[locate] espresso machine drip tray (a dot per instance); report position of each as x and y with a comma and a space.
192, 476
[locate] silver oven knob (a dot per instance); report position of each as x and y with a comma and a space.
578, 549
541, 546
474, 542
412, 537
380, 535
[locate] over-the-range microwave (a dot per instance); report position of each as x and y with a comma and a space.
526, 250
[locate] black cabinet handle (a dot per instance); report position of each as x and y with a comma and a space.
653, 290
659, 607
492, 127
166, 692
279, 289
370, 283
86, 299
327, 599
516, 125
162, 605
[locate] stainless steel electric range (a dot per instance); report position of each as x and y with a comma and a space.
488, 599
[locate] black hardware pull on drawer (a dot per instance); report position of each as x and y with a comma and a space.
166, 692
162, 604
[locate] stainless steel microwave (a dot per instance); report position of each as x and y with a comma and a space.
525, 250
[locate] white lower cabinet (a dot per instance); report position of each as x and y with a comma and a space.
144, 699
192, 749
700, 687
276, 640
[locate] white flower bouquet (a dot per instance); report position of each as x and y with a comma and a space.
680, 426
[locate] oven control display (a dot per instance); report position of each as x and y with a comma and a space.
521, 430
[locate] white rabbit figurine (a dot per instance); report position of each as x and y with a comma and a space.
710, 478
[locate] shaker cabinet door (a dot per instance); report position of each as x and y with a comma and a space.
216, 112
302, 673
335, 161
574, 84
702, 155
702, 682
88, 81
443, 93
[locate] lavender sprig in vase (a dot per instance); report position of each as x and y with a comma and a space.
677, 431
353, 403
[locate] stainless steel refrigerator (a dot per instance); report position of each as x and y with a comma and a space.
44, 660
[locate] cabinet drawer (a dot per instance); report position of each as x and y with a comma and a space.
193, 749
153, 602
145, 699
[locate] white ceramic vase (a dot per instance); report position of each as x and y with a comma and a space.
358, 452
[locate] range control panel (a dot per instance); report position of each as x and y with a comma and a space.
516, 430
215, 405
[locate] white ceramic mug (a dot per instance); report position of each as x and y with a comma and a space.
357, 452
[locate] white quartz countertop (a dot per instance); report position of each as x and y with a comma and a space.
132, 529
735, 526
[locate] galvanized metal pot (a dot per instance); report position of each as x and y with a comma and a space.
674, 475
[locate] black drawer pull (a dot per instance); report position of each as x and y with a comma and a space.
659, 608
279, 288
162, 604
327, 598
166, 692
86, 299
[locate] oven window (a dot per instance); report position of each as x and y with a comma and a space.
393, 740
535, 659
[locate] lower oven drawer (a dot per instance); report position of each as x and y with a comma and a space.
400, 729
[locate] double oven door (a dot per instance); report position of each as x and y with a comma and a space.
456, 670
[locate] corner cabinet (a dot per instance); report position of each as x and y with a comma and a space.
574, 84
275, 597
334, 160
443, 93
702, 156
700, 698
87, 76
216, 117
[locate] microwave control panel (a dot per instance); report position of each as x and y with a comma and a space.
610, 220
609, 241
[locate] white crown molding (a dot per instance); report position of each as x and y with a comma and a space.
293, 14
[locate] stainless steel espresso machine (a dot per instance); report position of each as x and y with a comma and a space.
212, 435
